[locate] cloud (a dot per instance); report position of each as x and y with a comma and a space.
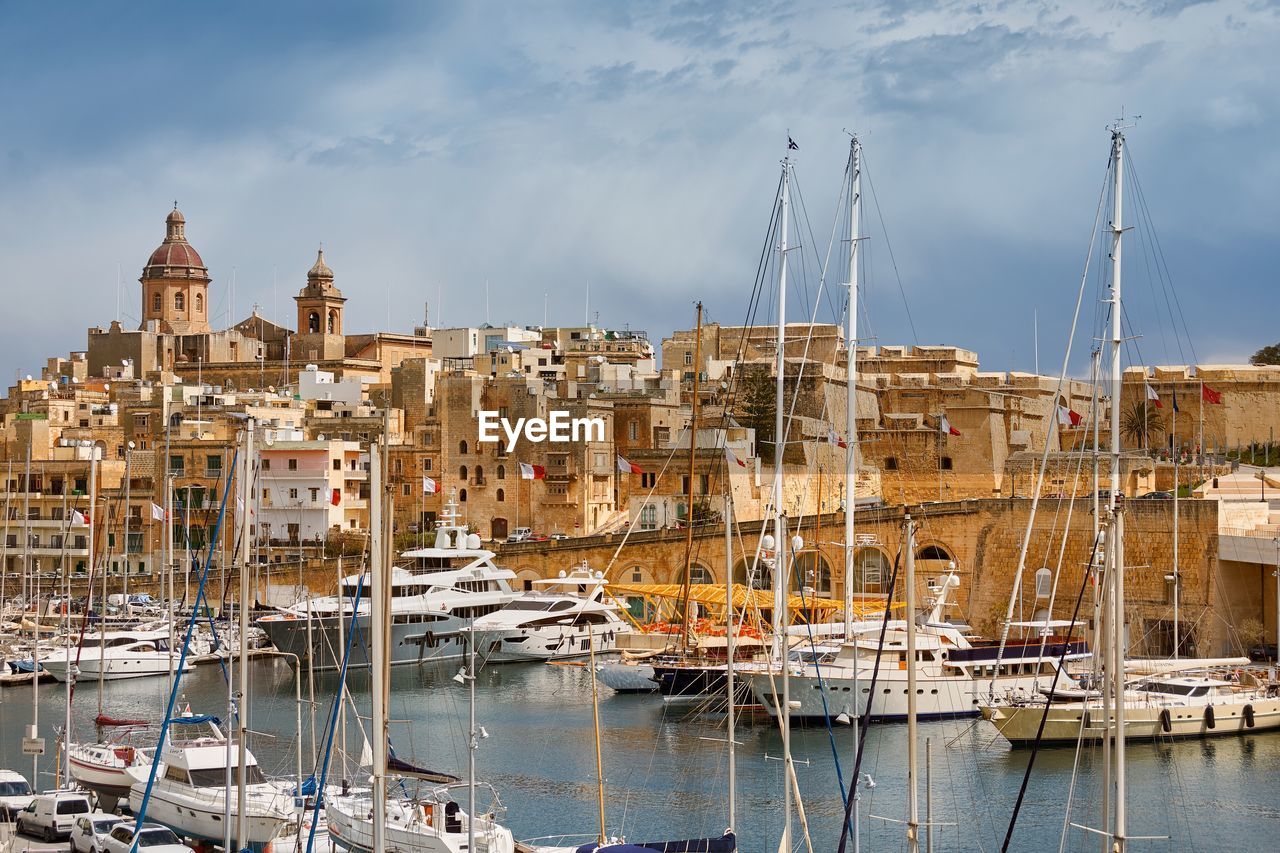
636, 146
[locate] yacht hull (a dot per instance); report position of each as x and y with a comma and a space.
114, 669
407, 830
627, 677
199, 813
1070, 723
517, 645
411, 642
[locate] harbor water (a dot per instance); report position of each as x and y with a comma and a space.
666, 764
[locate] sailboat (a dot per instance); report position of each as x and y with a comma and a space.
369, 821
1139, 699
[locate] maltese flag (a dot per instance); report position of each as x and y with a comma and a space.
945, 427
832, 438
732, 458
1068, 417
628, 467
1153, 397
429, 486
532, 472
78, 517
157, 512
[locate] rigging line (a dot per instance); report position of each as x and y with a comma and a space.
1145, 244
824, 267
1050, 431
1142, 203
866, 173
1044, 715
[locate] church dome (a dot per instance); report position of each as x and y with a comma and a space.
319, 269
175, 256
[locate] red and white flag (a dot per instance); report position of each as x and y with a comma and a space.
732, 458
157, 512
1068, 417
833, 438
628, 467
945, 427
429, 486
78, 517
1153, 397
532, 472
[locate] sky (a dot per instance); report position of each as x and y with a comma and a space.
571, 160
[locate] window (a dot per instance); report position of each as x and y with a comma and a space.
502, 472
337, 464
157, 302
199, 303
177, 466
266, 464
179, 301
891, 463
699, 574
315, 495
293, 465
688, 356
333, 322
479, 475
462, 472
313, 322
406, 490
648, 480
135, 543
648, 517
462, 496
946, 463
462, 448
426, 464
396, 465
293, 494
633, 430
501, 496
213, 465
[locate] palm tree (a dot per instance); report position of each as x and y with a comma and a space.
1141, 422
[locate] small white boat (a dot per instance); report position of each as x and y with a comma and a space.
115, 655
433, 824
104, 768
560, 619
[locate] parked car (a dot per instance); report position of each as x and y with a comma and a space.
1156, 496
53, 815
91, 831
1263, 652
15, 793
559, 536
520, 534
154, 837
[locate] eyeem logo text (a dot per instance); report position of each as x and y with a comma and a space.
558, 428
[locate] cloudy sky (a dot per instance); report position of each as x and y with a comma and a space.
635, 146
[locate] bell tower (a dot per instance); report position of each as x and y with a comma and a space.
319, 336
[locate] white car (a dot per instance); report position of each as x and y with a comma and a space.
15, 793
53, 815
91, 830
154, 837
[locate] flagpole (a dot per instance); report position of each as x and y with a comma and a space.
1200, 440
1177, 579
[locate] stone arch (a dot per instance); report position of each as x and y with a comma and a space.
639, 609
462, 496
501, 496
871, 569
700, 574
462, 447
811, 570
745, 572
502, 472
933, 551
333, 322
199, 303
498, 528
462, 473
157, 301
479, 474
179, 301
524, 579
313, 322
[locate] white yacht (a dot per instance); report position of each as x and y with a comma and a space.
559, 618
431, 824
954, 673
436, 593
115, 655
190, 791
1173, 703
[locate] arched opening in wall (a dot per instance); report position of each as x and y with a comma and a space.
871, 570
811, 571
179, 301
157, 302
313, 322
502, 472
479, 475
700, 574
462, 448
932, 552
641, 610
498, 529
462, 496
501, 496
333, 322
745, 572
462, 473
199, 303
524, 579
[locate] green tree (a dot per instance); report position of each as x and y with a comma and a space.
1140, 423
1266, 355
756, 409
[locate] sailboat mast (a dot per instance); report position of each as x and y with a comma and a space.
913, 804
851, 382
729, 642
378, 581
242, 745
779, 521
1117, 540
686, 616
